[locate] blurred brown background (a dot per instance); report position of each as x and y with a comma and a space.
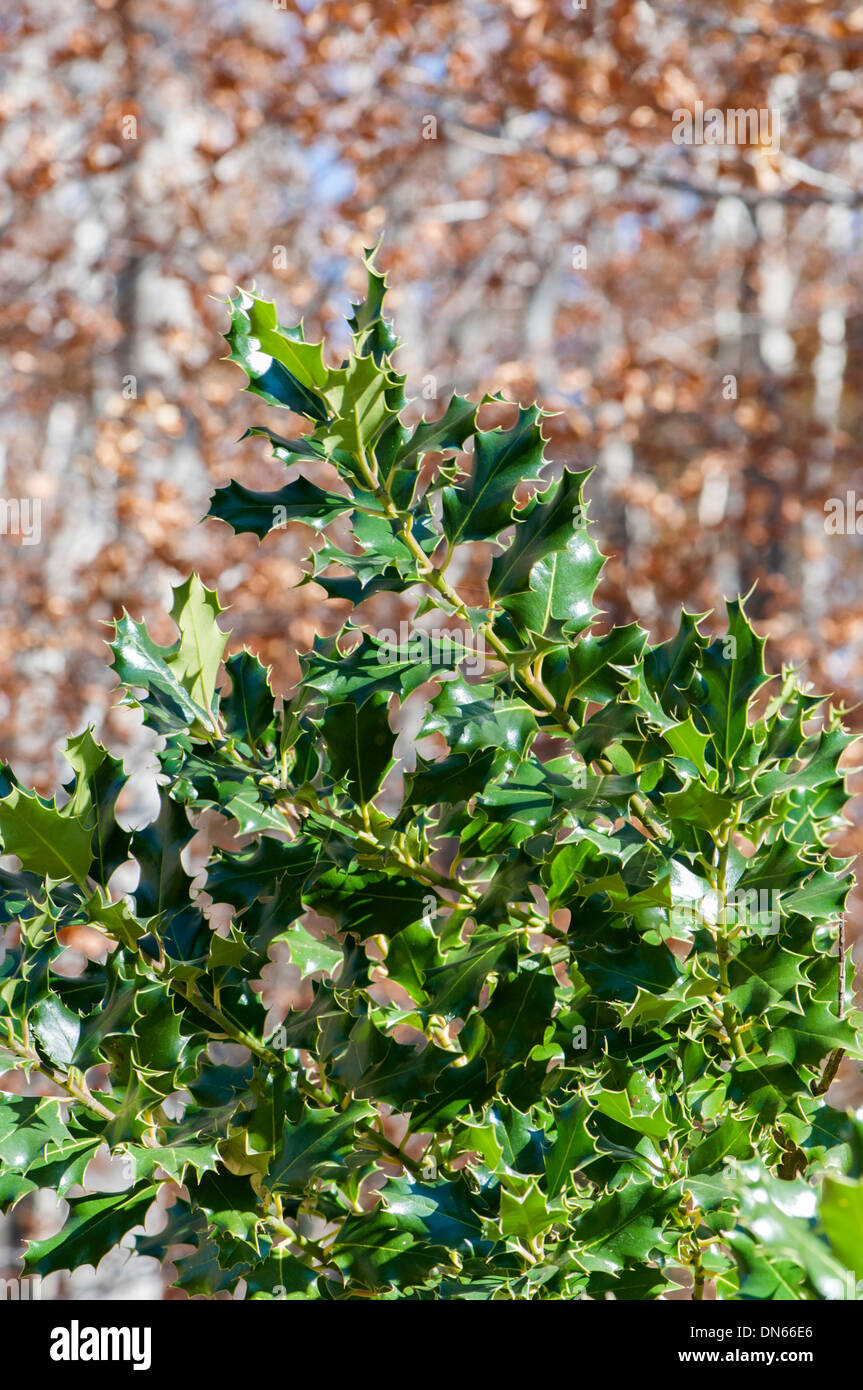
694, 312
545, 237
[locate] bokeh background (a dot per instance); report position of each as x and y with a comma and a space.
693, 313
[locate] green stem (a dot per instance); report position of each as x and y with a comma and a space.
720, 885
391, 1150
698, 1275
231, 1029
74, 1085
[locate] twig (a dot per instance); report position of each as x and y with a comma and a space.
74, 1089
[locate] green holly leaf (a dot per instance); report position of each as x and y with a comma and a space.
639, 1106
359, 400
141, 664
376, 664
253, 815
57, 1030
281, 367
686, 742
527, 1214
47, 841
518, 1018
732, 669
176, 1160
573, 1145
99, 780
471, 718
93, 1226
452, 779
371, 332
698, 805
786, 1252
445, 435
376, 1252
198, 653
262, 512
319, 1143
310, 953
730, 1139
360, 744
762, 973
554, 522
483, 504
163, 884
628, 1225
806, 1038
249, 708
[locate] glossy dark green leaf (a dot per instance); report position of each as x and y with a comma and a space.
93, 1226
249, 707
320, 1143
44, 839
483, 504
360, 743
262, 512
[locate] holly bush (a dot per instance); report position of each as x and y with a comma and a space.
572, 999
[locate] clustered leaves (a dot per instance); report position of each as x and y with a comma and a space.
541, 1058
